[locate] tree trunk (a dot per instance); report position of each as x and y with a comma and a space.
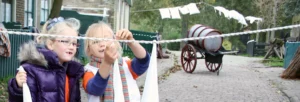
274, 18
293, 71
55, 10
160, 32
268, 36
257, 34
184, 29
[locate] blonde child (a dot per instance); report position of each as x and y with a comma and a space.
50, 73
98, 81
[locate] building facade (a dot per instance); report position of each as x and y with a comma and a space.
27, 12
33, 12
116, 11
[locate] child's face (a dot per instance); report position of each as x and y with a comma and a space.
97, 48
65, 48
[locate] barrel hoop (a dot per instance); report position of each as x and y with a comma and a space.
197, 43
195, 30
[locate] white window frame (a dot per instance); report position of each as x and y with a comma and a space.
44, 10
28, 11
6, 10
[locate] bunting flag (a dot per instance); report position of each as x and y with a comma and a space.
174, 13
193, 8
222, 10
184, 10
118, 90
253, 19
239, 17
165, 13
231, 14
150, 93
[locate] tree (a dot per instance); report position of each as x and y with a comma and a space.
151, 21
55, 10
272, 13
291, 8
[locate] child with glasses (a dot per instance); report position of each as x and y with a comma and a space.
50, 72
99, 81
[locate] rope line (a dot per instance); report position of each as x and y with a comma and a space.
157, 42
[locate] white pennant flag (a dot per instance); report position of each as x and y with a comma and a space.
118, 90
222, 10
239, 17
253, 19
184, 10
150, 93
193, 8
26, 91
174, 13
165, 13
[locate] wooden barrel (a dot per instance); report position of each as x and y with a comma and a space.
211, 44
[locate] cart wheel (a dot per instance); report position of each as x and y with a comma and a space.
212, 66
188, 58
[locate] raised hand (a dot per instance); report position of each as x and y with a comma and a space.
110, 53
124, 34
21, 78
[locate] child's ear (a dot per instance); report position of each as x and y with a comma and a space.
50, 44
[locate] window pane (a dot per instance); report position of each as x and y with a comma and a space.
46, 4
25, 19
29, 15
42, 4
8, 13
25, 5
30, 19
42, 15
2, 12
29, 5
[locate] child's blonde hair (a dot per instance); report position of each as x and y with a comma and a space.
56, 28
91, 31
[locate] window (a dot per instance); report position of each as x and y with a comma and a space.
44, 10
28, 14
6, 10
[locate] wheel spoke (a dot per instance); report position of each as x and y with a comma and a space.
191, 62
188, 66
208, 64
215, 65
184, 62
184, 54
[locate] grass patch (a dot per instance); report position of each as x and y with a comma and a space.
3, 89
273, 62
